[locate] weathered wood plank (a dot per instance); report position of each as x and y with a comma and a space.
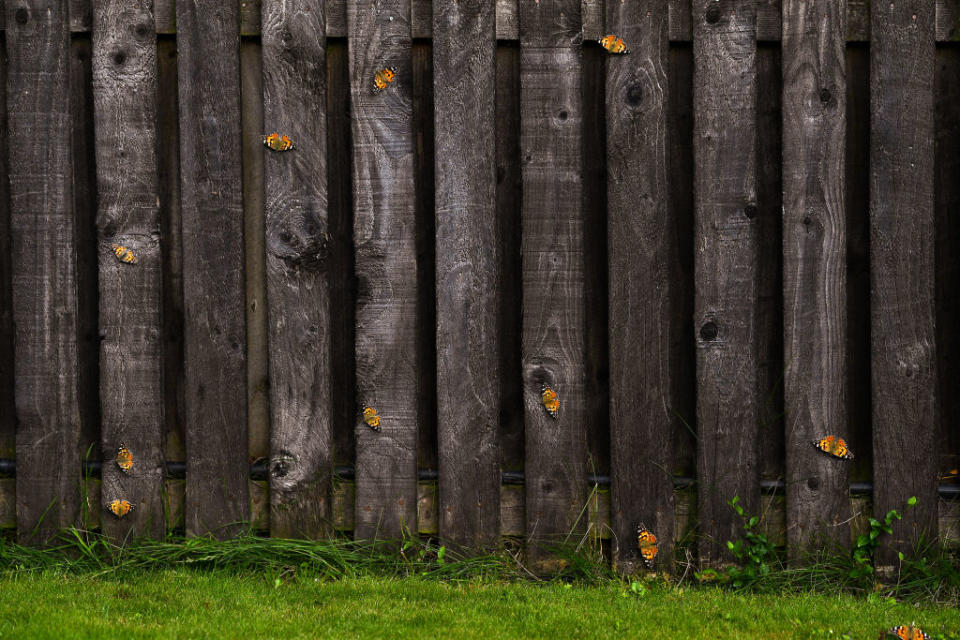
8, 415
947, 193
251, 12
552, 258
814, 270
726, 242
43, 260
168, 181
467, 259
165, 16
386, 268
131, 387
208, 40
81, 15
343, 290
254, 244
509, 201
297, 239
641, 245
902, 245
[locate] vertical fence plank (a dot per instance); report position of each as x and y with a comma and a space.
385, 258
208, 40
552, 255
641, 246
468, 382
44, 270
131, 394
814, 270
725, 145
297, 247
8, 416
902, 269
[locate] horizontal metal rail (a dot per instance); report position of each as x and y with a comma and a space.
259, 470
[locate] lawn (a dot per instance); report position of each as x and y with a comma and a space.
183, 603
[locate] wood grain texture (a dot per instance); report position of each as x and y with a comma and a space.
386, 268
81, 15
44, 271
467, 258
726, 246
131, 386
165, 16
902, 236
254, 245
553, 272
814, 271
509, 202
297, 240
640, 245
208, 40
8, 415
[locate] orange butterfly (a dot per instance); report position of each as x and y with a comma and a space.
613, 44
647, 543
124, 458
124, 254
120, 508
905, 633
384, 77
834, 446
277, 142
550, 400
371, 418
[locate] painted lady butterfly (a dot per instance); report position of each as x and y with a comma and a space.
120, 508
124, 254
371, 418
834, 446
384, 77
905, 633
550, 400
277, 142
647, 543
613, 44
124, 458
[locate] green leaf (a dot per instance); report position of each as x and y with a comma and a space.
753, 521
912, 501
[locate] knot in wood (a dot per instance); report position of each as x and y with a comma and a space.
709, 331
713, 13
634, 94
22, 15
813, 483
119, 56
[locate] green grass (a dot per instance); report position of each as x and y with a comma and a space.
184, 603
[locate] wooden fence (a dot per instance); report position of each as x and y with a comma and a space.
736, 239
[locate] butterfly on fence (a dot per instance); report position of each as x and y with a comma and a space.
120, 508
647, 543
834, 446
550, 400
124, 458
613, 44
384, 77
124, 254
905, 632
277, 142
371, 418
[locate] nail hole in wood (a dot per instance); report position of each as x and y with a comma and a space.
825, 95
750, 211
562, 115
708, 331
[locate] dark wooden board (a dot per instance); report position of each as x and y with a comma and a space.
8, 415
81, 15
168, 181
553, 278
297, 249
467, 283
85, 239
386, 268
814, 271
726, 248
682, 341
343, 290
43, 260
215, 386
254, 246
857, 199
509, 201
131, 365
902, 247
641, 245
425, 224
947, 193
